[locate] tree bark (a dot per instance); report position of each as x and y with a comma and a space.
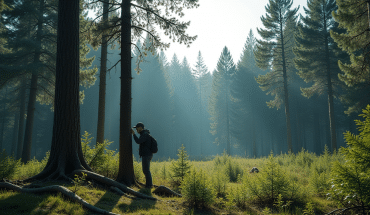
330, 91
22, 110
66, 153
102, 79
26, 153
15, 134
316, 132
126, 165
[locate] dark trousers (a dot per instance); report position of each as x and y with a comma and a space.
146, 170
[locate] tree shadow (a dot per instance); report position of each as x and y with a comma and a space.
22, 203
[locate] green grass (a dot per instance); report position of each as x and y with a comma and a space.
300, 168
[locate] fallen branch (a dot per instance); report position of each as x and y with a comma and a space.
56, 188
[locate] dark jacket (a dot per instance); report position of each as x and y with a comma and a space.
145, 142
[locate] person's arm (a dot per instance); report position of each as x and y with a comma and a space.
141, 139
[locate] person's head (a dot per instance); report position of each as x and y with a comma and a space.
139, 127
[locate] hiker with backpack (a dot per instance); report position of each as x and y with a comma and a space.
148, 146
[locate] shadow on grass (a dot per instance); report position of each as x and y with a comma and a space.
21, 203
138, 204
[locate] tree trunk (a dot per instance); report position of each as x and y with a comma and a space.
66, 153
330, 91
3, 120
286, 98
316, 132
26, 153
102, 79
126, 165
15, 134
22, 111
227, 120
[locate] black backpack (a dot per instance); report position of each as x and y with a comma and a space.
153, 145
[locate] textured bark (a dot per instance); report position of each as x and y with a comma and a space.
22, 110
66, 153
102, 80
126, 165
27, 143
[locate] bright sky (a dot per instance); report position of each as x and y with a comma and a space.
220, 23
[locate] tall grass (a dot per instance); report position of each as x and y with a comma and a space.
293, 179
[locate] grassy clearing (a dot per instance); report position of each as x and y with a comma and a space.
304, 178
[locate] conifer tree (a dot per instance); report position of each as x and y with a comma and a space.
137, 18
350, 180
271, 54
353, 16
246, 96
182, 165
317, 55
219, 104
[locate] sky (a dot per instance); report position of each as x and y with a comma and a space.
220, 23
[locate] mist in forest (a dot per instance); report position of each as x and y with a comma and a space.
234, 109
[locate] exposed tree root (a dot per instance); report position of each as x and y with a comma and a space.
162, 190
56, 188
110, 182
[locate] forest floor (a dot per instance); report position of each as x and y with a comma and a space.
308, 174
15, 203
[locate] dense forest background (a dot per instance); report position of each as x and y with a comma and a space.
230, 109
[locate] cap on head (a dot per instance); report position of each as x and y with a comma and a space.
139, 125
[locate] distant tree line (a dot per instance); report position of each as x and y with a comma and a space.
315, 66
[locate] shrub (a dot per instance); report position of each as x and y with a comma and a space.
351, 180
237, 196
95, 157
197, 189
181, 166
268, 184
8, 165
219, 181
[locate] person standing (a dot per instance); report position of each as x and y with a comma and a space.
144, 142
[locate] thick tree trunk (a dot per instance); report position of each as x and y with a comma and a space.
66, 153
22, 111
26, 153
102, 80
126, 165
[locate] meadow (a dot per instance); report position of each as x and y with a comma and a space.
286, 184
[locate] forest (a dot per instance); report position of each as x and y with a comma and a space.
296, 105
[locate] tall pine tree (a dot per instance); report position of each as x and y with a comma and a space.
317, 55
219, 103
271, 54
353, 16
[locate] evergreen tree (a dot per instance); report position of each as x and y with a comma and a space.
219, 104
182, 165
317, 55
353, 16
350, 179
136, 18
271, 54
247, 99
